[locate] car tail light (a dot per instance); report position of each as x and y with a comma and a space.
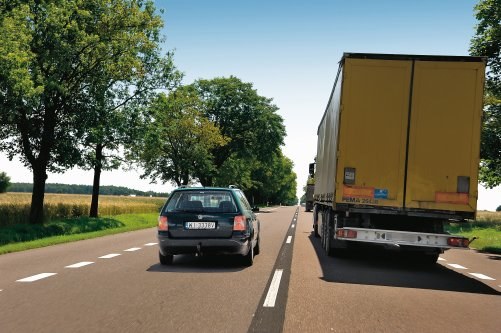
239, 223
458, 242
162, 223
346, 233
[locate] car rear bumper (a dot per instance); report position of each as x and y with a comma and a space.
169, 246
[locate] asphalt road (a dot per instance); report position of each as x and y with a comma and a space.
115, 284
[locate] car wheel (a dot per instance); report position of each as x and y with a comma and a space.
249, 257
165, 260
257, 249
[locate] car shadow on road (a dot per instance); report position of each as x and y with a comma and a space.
203, 264
393, 269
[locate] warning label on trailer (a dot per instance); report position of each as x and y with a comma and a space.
358, 192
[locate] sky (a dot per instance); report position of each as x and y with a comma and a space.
289, 50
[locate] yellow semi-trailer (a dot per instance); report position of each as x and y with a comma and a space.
398, 152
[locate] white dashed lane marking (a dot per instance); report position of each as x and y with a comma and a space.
132, 249
150, 244
482, 276
111, 255
457, 266
80, 264
271, 297
36, 277
289, 240
292, 226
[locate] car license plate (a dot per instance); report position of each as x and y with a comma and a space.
200, 225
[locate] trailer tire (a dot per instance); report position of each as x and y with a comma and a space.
428, 259
315, 222
328, 242
315, 231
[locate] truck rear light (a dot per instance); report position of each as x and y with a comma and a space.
239, 223
345, 233
458, 242
162, 223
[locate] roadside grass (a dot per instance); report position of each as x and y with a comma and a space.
487, 229
20, 237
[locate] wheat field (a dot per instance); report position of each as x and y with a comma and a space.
15, 207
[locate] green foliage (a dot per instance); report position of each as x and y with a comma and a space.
178, 141
4, 182
28, 236
28, 232
487, 42
274, 181
67, 70
249, 120
85, 189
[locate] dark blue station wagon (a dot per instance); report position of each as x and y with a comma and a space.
208, 220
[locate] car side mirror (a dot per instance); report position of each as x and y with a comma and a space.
255, 209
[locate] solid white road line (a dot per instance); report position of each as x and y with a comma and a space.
457, 266
132, 249
80, 264
150, 244
271, 297
482, 276
289, 239
441, 259
111, 255
36, 277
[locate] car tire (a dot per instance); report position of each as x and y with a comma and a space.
166, 260
257, 249
249, 257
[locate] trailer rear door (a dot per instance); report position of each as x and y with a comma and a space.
373, 132
444, 135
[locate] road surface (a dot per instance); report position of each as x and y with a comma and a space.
116, 284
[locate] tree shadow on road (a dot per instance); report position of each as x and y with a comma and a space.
203, 264
393, 269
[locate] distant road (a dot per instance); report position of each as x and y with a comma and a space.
115, 284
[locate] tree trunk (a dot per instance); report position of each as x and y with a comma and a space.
38, 195
94, 206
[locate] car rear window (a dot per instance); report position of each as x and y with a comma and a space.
201, 201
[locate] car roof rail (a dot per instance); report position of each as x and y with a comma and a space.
233, 186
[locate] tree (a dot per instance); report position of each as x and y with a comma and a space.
4, 182
119, 96
274, 180
248, 119
60, 63
487, 42
179, 139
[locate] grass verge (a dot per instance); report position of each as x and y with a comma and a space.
487, 229
22, 237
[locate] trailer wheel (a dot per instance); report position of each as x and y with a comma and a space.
427, 259
315, 222
315, 231
328, 242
